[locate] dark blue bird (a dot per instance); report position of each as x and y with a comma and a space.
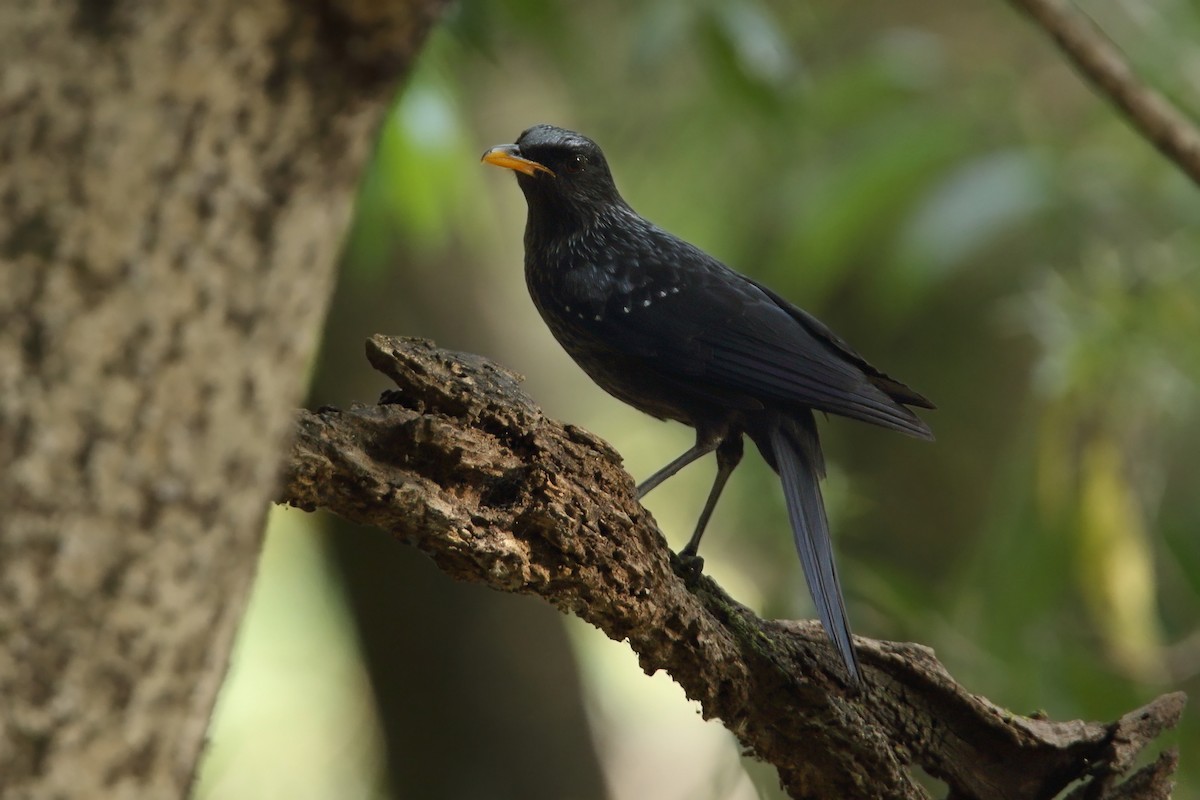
673, 332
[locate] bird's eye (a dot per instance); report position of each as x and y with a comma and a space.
576, 164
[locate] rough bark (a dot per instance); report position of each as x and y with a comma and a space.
460, 463
174, 183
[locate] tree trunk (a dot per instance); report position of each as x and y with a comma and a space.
175, 179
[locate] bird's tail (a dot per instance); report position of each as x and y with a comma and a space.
796, 456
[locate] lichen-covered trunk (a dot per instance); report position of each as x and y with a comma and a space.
175, 179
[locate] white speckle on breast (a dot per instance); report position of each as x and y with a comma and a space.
625, 309
674, 290
597, 318
646, 302
662, 293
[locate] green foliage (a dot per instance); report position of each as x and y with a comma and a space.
967, 214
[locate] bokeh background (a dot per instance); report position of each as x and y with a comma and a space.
930, 179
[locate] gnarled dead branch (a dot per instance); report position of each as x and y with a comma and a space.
460, 463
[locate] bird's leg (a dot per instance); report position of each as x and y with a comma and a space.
704, 445
729, 455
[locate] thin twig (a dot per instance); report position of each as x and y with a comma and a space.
1151, 114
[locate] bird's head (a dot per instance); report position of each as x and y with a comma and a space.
563, 174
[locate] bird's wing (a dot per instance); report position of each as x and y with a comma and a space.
894, 388
706, 324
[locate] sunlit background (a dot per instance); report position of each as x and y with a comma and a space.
927, 177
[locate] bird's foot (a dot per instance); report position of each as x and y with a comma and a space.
691, 566
392, 397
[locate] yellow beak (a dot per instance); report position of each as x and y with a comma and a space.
508, 156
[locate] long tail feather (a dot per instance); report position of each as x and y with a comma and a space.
797, 454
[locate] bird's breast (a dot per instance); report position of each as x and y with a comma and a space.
584, 292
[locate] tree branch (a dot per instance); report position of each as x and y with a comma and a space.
1151, 114
460, 463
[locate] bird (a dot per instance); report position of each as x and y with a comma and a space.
672, 331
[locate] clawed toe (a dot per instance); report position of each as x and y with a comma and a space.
691, 566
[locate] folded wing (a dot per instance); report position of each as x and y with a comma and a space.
743, 338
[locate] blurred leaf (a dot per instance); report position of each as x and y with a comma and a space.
746, 55
911, 58
847, 201
968, 210
752, 35
661, 30
886, 81
418, 181
1116, 563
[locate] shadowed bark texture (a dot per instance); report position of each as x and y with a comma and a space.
175, 179
460, 463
